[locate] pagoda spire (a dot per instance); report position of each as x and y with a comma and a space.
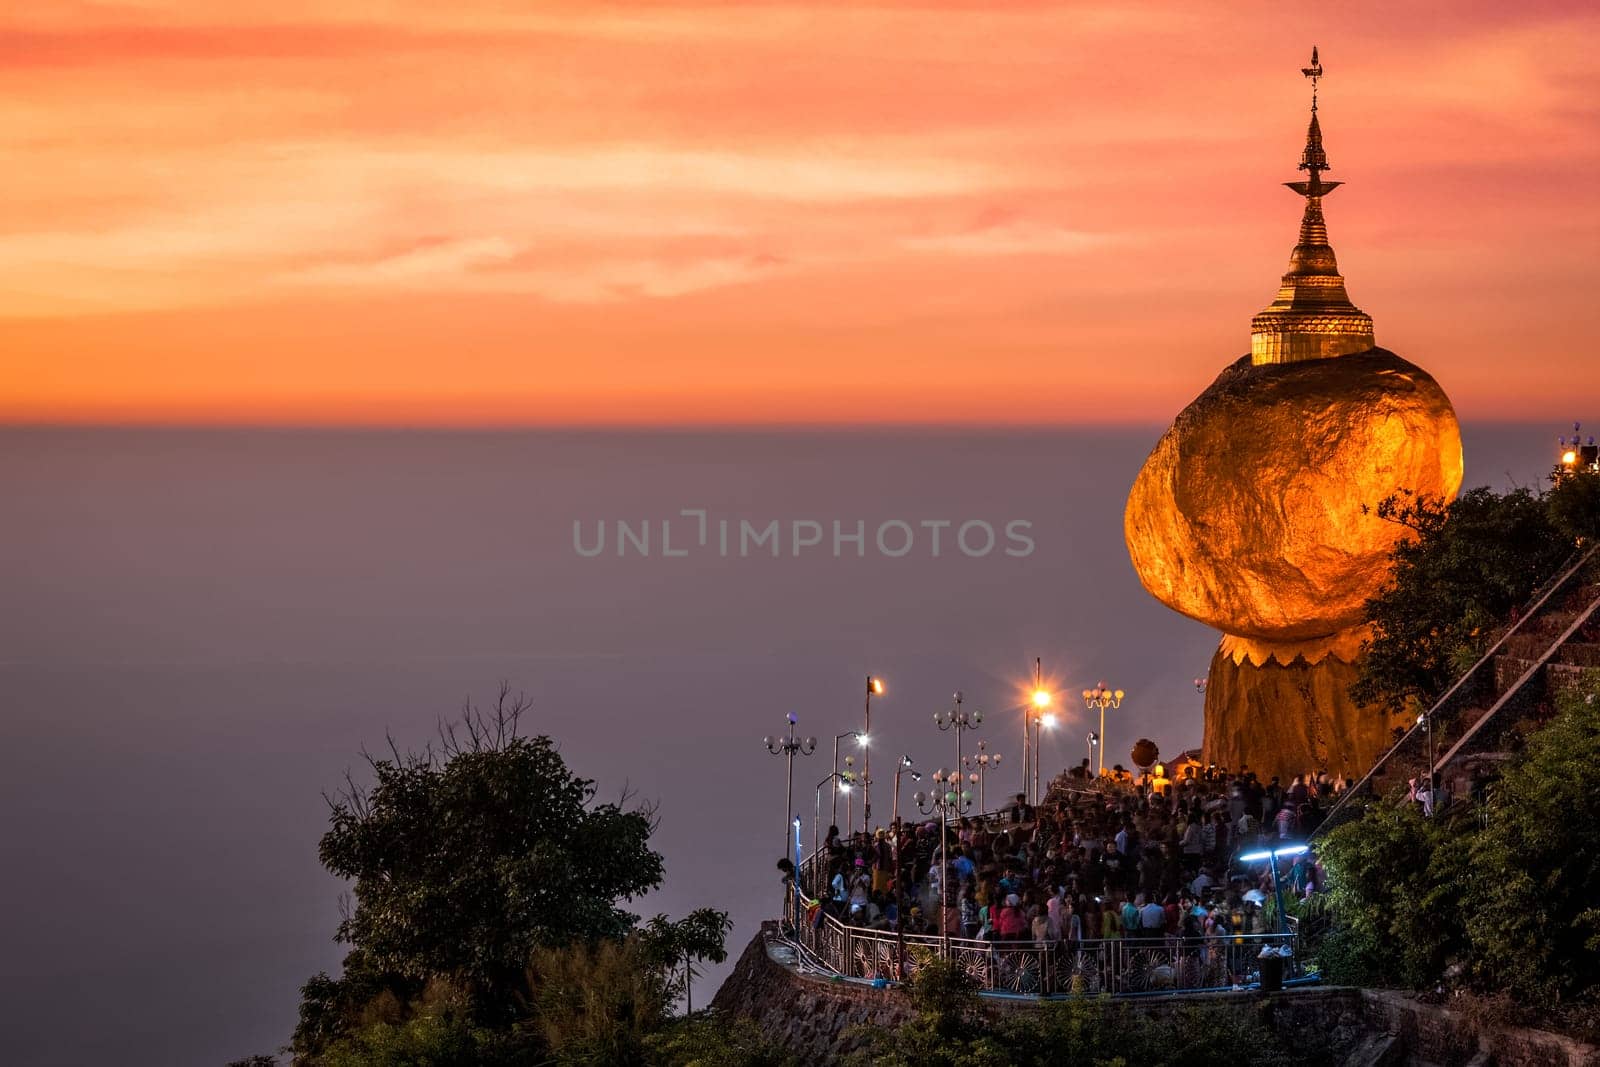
1312, 318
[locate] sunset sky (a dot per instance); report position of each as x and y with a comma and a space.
467, 213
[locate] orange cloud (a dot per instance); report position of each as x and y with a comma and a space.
730, 213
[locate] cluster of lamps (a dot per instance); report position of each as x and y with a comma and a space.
1101, 697
977, 768
1576, 454
952, 791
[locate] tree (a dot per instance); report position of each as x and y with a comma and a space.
484, 875
1507, 892
1532, 913
713, 1041
1574, 503
1469, 565
699, 936
1395, 890
947, 1031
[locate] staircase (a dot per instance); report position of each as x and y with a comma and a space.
1554, 644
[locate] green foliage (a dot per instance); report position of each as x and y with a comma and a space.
1511, 896
426, 1041
950, 1031
1574, 504
596, 1004
700, 935
463, 865
710, 1041
1470, 565
947, 1030
1395, 894
487, 926
1533, 914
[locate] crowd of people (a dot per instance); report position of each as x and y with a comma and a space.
1099, 858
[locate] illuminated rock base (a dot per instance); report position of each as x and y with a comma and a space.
1285, 720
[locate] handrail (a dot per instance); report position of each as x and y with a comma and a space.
1527, 676
1117, 967
1549, 589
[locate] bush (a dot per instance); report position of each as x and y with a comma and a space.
1395, 891
1533, 916
1511, 897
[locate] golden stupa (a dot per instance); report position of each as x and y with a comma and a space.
1255, 512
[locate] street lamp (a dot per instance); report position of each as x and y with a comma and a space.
957, 720
1425, 721
1094, 739
849, 778
948, 796
899, 885
982, 761
874, 688
1102, 698
1272, 855
836, 739
1036, 715
816, 820
787, 747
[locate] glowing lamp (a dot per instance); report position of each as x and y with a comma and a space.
1286, 850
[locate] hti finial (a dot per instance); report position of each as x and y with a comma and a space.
1314, 158
1313, 72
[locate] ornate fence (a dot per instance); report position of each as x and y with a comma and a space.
1114, 967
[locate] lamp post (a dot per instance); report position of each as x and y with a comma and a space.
874, 688
836, 739
899, 887
1094, 739
1271, 855
948, 796
1425, 721
816, 821
1102, 698
957, 720
799, 907
1037, 714
788, 747
982, 761
848, 779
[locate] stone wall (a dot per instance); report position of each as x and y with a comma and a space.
815, 1015
811, 1015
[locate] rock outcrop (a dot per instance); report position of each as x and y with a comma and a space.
1253, 513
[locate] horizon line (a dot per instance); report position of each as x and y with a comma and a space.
680, 426
683, 426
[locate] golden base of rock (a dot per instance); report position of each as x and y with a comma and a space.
1285, 716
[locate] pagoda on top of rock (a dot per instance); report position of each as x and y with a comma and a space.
1255, 512
1312, 317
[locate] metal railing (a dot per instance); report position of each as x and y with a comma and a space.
1467, 688
1116, 967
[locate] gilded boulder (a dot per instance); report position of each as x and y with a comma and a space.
1254, 513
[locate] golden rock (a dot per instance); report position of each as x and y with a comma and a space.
1252, 515
1255, 513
